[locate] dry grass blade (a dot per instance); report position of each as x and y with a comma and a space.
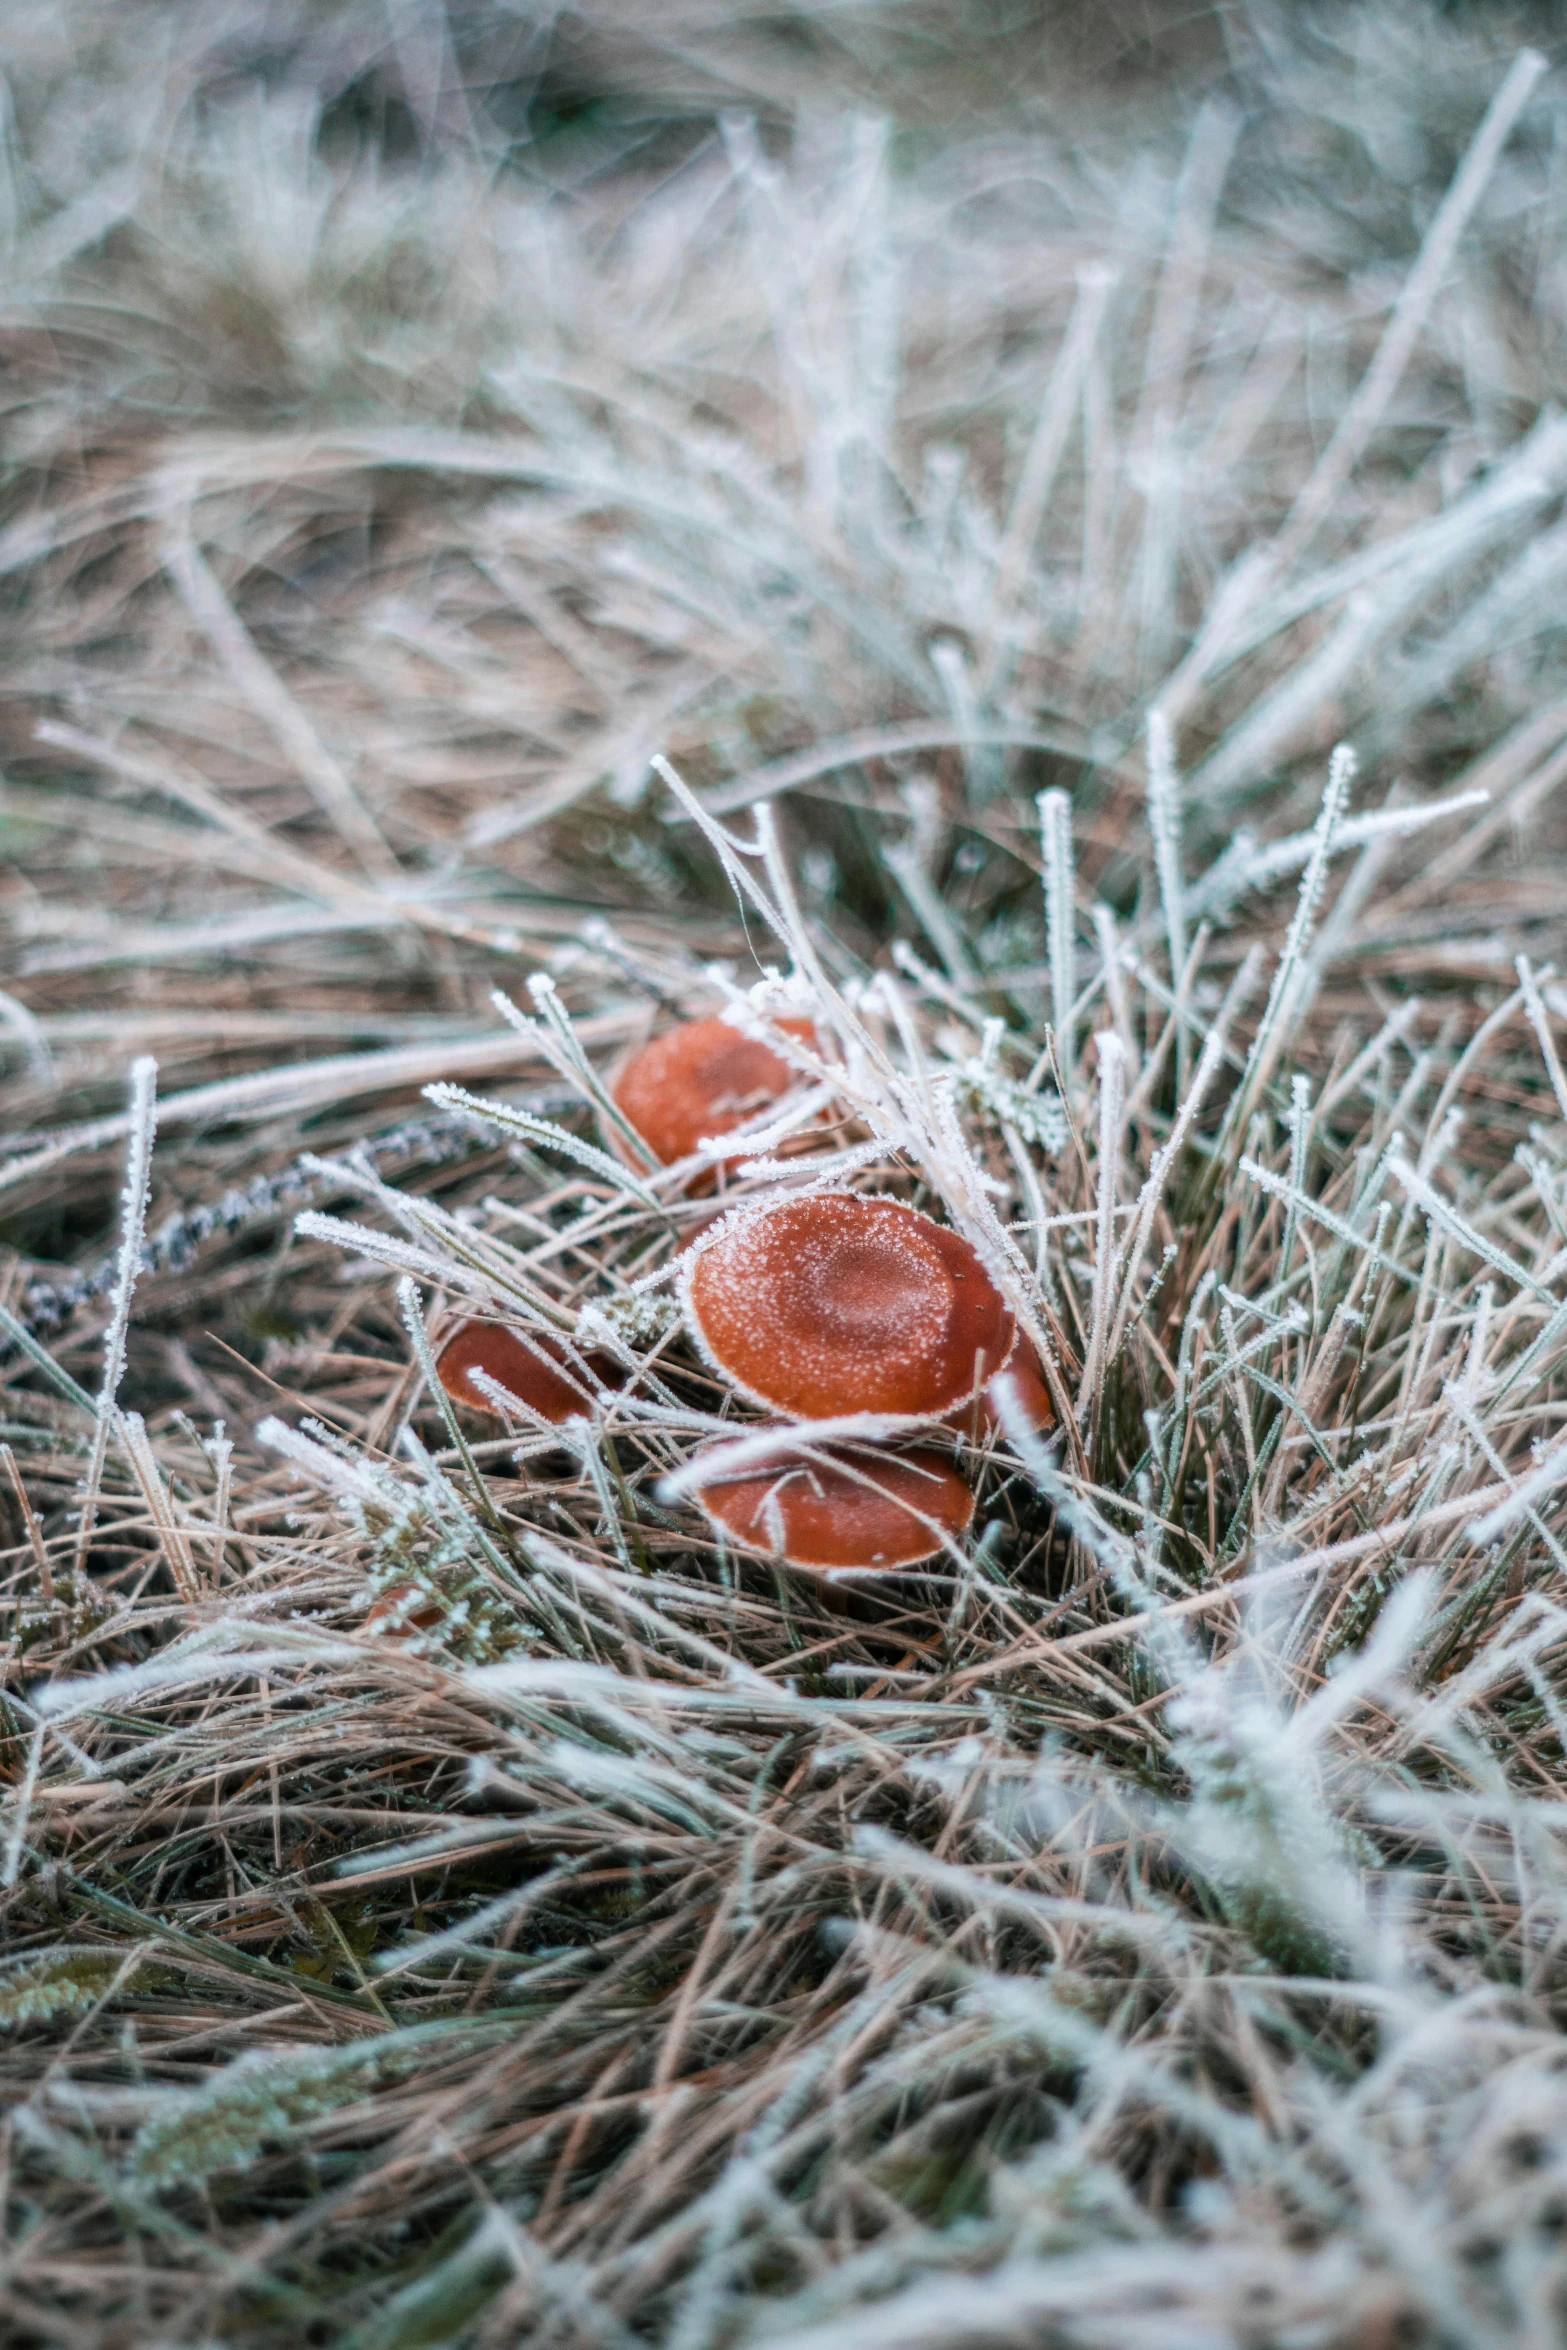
457, 461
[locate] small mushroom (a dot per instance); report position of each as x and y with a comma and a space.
701, 1078
837, 1511
533, 1367
403, 1611
838, 1303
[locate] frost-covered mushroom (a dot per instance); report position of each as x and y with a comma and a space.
531, 1366
401, 1612
835, 1511
837, 1303
701, 1078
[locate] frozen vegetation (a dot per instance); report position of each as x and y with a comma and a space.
1046, 574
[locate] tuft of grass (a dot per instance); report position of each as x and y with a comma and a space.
1060, 588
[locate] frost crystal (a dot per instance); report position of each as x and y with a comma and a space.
1039, 1118
632, 1320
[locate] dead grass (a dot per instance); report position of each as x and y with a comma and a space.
1144, 1928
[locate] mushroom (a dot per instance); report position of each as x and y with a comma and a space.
701, 1078
529, 1365
837, 1303
401, 1619
835, 1511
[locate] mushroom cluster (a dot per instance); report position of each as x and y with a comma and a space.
701, 1078
835, 1304
811, 1308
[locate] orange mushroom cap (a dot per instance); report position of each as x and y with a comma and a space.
701, 1078
838, 1303
534, 1368
832, 1511
401, 1619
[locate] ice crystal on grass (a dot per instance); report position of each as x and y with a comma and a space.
424, 1549
501, 527
68, 1982
633, 1320
1038, 1115
269, 2096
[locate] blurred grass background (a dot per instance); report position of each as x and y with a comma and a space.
415, 416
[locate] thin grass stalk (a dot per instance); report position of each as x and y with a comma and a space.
1111, 1097
1055, 838
173, 1539
133, 1218
1273, 1029
1164, 827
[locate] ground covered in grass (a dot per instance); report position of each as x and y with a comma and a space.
1032, 545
